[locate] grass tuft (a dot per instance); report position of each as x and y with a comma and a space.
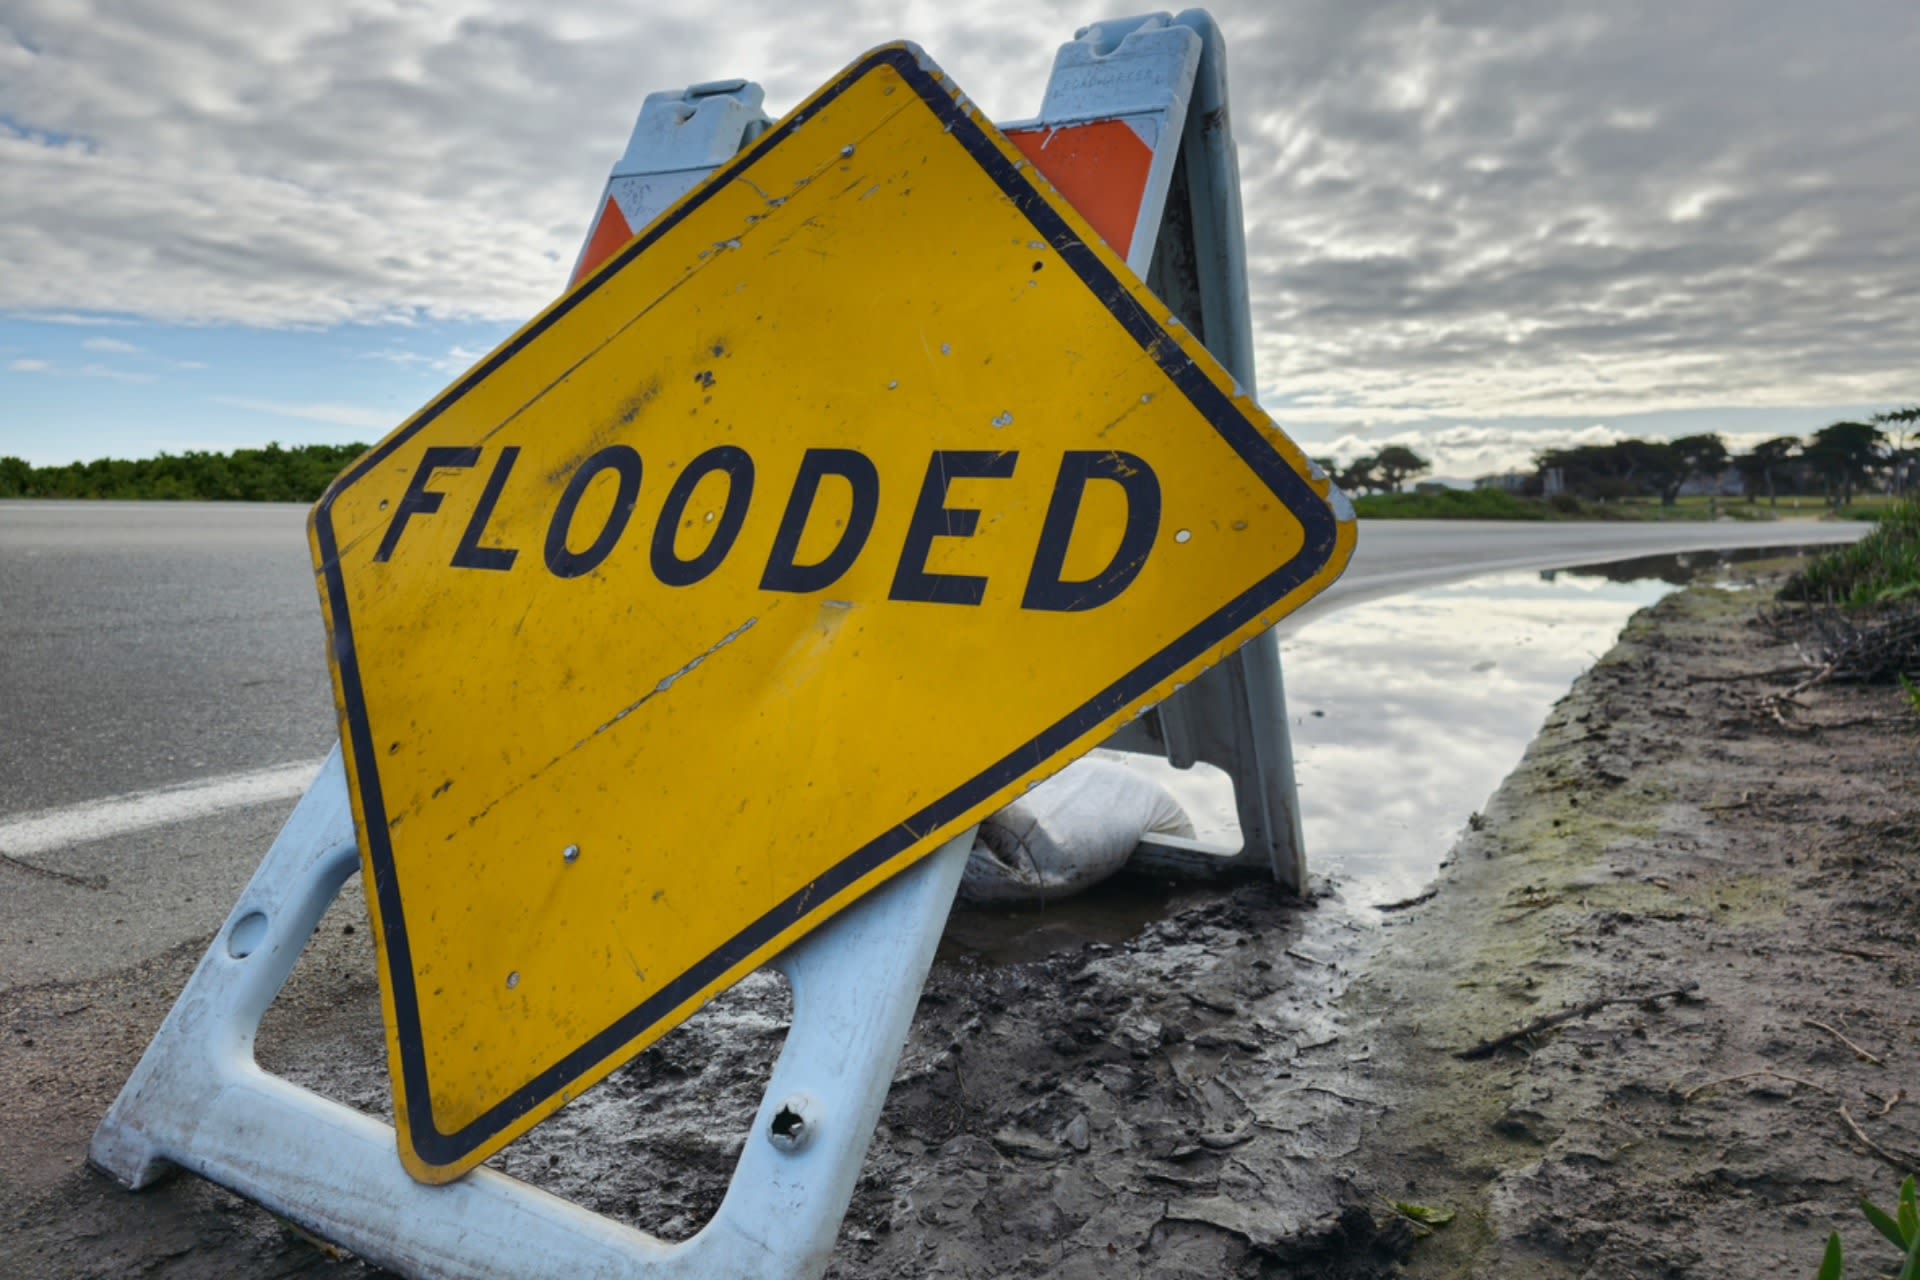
1881, 568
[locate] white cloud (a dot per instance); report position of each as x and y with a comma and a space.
114, 346
1473, 212
109, 373
76, 319
455, 359
342, 415
90, 370
1464, 450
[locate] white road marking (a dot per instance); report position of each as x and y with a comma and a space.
28, 834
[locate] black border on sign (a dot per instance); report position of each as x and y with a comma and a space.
440, 1149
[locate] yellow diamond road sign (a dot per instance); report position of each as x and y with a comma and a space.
861, 491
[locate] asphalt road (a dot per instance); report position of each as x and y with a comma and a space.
173, 645
1401, 555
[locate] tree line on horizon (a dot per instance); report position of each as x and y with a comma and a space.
272, 474
1835, 462
1382, 472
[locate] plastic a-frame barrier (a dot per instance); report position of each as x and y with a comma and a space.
1134, 130
1189, 243
198, 1101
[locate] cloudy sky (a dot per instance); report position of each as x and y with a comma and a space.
1479, 228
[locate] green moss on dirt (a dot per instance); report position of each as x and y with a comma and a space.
1560, 859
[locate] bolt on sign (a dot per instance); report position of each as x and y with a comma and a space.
861, 491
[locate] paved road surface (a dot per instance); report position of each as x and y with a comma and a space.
1401, 555
155, 646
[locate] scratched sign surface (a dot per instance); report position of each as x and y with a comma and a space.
860, 491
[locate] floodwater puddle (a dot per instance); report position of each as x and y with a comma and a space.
1407, 712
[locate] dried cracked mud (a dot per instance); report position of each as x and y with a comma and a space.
1244, 1085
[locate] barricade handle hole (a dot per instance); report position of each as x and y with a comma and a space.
248, 932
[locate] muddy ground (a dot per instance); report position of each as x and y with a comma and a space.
1243, 1085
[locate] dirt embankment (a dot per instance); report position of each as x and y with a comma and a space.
1239, 1089
1726, 900
1666, 831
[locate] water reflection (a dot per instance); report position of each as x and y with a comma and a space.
1690, 566
1409, 711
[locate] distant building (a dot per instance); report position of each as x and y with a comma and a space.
1543, 483
1728, 484
1507, 481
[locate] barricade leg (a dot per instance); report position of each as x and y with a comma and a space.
198, 1100
1234, 716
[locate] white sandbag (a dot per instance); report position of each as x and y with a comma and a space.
1070, 832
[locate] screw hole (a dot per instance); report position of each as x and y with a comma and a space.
248, 932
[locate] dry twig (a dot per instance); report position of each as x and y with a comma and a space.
1405, 903
1860, 1053
1748, 1075
1778, 673
1331, 1093
1848, 646
1860, 953
1904, 1163
1487, 1048
1854, 722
